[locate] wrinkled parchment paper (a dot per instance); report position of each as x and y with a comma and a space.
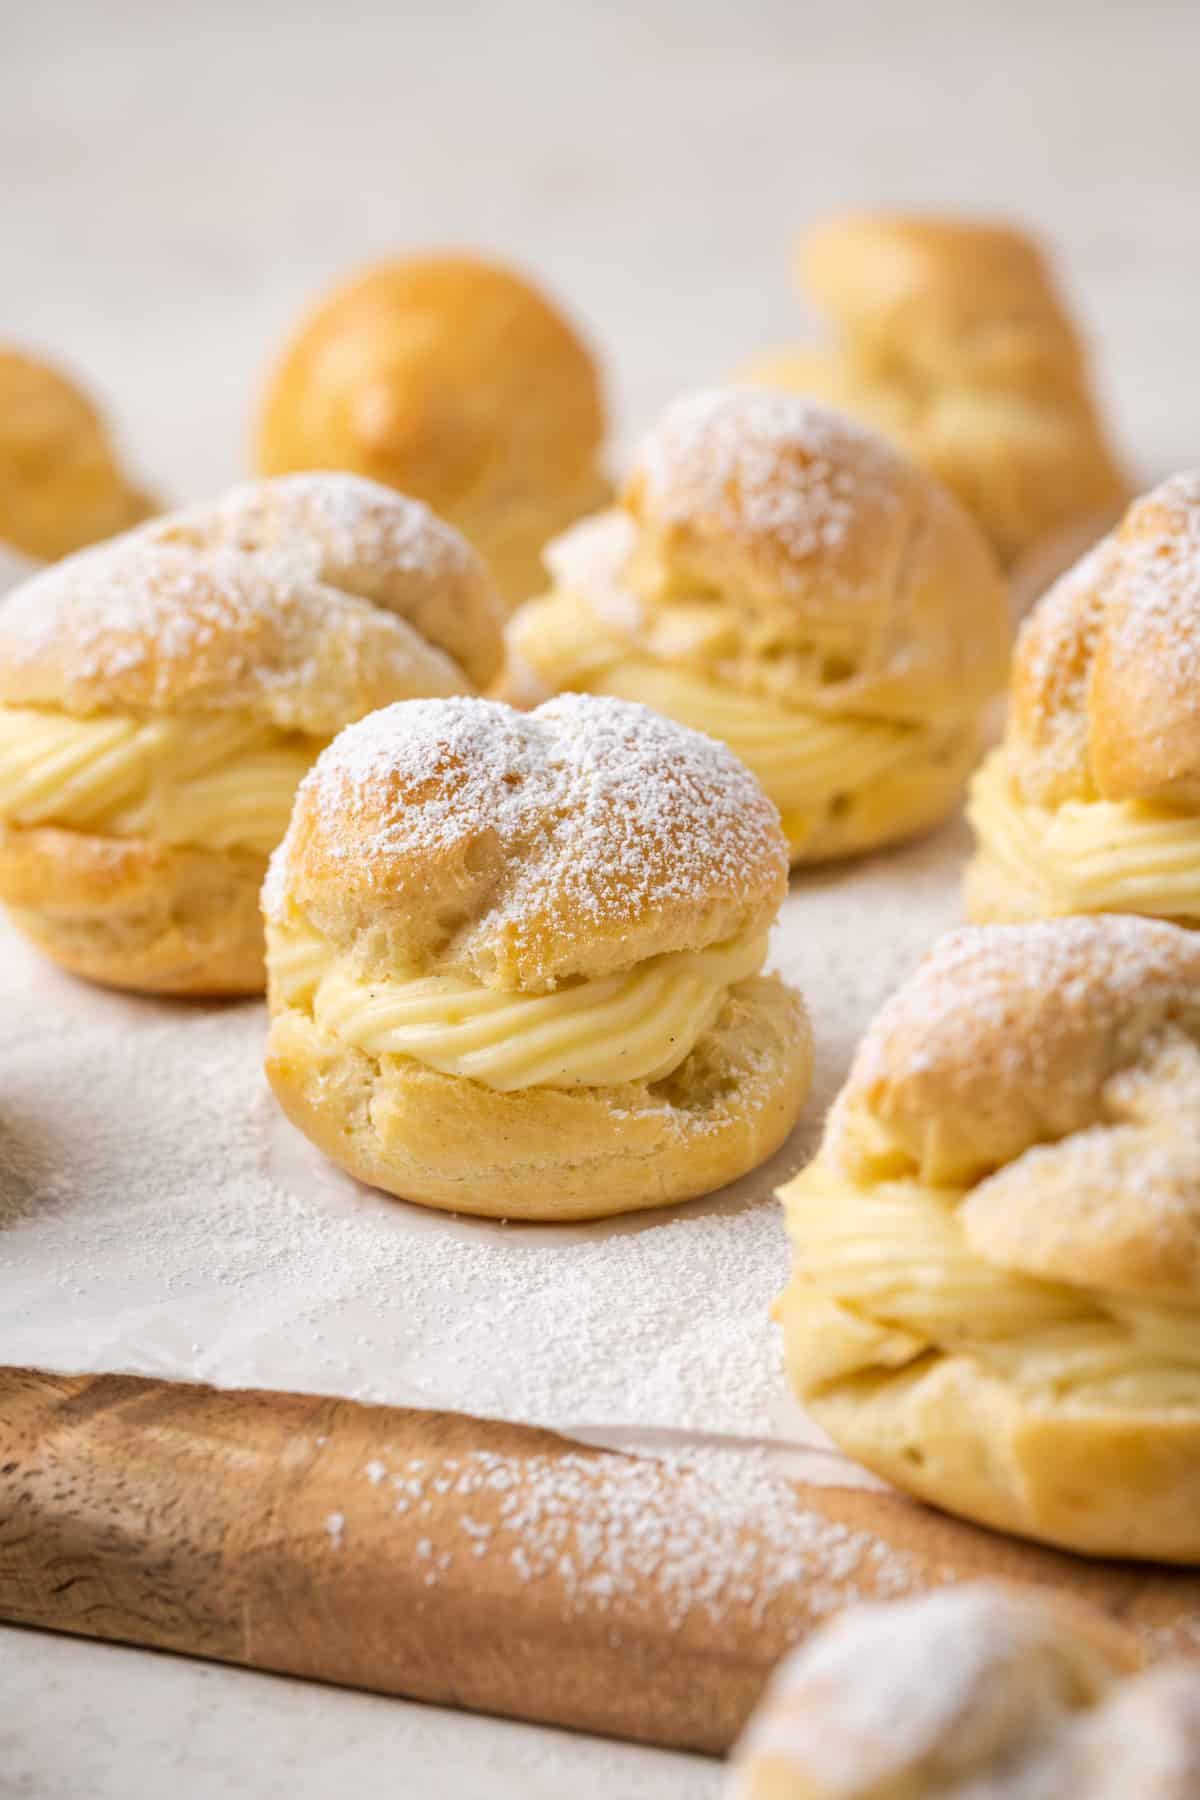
159, 1217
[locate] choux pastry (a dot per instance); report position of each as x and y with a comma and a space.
953, 340
455, 380
995, 1298
515, 960
61, 485
162, 695
781, 578
979, 1692
1092, 804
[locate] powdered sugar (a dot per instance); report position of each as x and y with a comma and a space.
765, 463
967, 988
703, 1533
877, 1688
978, 1693
344, 532
127, 605
884, 1690
314, 600
352, 519
590, 809
1135, 596
1155, 581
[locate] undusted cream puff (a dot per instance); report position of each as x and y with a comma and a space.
979, 1692
515, 960
61, 484
995, 1298
1093, 802
453, 379
953, 339
782, 579
161, 697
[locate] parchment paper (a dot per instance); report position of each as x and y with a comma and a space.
158, 1216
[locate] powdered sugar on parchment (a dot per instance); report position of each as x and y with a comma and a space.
158, 1216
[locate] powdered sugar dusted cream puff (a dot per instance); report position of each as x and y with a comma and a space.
1093, 802
995, 1298
515, 960
456, 380
979, 1692
780, 578
162, 696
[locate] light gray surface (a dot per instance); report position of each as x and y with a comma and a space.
176, 181
81, 1721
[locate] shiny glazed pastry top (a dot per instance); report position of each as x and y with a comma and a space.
529, 949
1093, 802
165, 694
995, 1297
453, 379
979, 1692
953, 339
779, 577
61, 484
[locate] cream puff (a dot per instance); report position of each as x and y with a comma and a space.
1093, 802
61, 483
161, 697
455, 380
995, 1298
515, 960
979, 1692
782, 579
953, 340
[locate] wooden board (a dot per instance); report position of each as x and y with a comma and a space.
321, 1538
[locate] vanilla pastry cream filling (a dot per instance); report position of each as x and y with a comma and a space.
635, 1026
884, 1275
1089, 855
211, 781
803, 759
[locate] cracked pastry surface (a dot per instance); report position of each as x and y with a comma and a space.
455, 380
995, 1297
978, 1692
515, 960
953, 340
1092, 804
162, 696
61, 482
780, 578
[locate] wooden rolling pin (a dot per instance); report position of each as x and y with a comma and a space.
462, 1561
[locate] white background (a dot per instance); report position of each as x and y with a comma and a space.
176, 181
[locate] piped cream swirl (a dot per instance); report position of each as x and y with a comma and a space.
638, 1025
811, 763
1087, 855
211, 781
885, 1273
